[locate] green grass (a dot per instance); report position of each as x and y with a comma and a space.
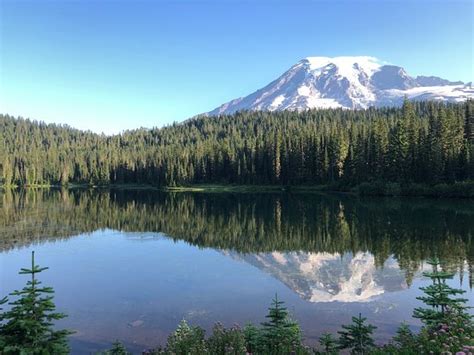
379, 188
216, 188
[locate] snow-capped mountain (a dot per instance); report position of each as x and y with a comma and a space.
325, 277
347, 82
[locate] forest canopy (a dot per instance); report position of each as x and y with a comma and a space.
421, 142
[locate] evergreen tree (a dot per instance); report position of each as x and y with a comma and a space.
280, 334
405, 338
329, 344
424, 142
440, 297
117, 349
28, 327
357, 336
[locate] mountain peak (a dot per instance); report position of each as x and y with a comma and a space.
356, 82
344, 62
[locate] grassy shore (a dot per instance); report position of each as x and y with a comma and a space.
216, 188
378, 188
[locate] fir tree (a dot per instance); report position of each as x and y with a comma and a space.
405, 338
117, 349
440, 297
29, 322
280, 333
329, 344
357, 336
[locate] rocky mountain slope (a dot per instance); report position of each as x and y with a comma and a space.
347, 82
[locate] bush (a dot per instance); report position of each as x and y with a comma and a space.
226, 341
185, 340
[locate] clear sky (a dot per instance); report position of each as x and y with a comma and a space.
114, 65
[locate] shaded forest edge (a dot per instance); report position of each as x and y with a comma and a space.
464, 189
422, 148
27, 327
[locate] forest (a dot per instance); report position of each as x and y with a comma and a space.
420, 143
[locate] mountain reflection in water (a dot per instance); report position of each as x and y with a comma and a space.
324, 277
332, 247
130, 265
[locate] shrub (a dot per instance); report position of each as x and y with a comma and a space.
226, 341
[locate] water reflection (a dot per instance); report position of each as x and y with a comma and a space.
404, 231
325, 277
132, 264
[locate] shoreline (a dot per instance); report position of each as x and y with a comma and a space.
458, 190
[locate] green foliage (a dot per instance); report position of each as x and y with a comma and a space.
405, 339
28, 325
117, 349
226, 341
463, 189
448, 328
423, 142
252, 337
279, 334
453, 336
357, 336
186, 340
2, 302
448, 325
329, 344
409, 230
440, 297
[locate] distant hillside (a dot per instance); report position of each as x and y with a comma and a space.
423, 142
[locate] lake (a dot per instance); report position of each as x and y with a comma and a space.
130, 264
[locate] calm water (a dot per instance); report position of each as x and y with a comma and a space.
130, 265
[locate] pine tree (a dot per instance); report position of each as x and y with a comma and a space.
404, 337
117, 349
29, 322
280, 334
440, 297
357, 336
328, 343
469, 121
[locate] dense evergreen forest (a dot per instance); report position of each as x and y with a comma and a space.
422, 142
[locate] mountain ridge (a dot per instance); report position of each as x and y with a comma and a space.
352, 82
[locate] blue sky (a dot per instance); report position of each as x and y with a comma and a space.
114, 65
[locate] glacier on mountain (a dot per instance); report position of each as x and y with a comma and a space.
347, 82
